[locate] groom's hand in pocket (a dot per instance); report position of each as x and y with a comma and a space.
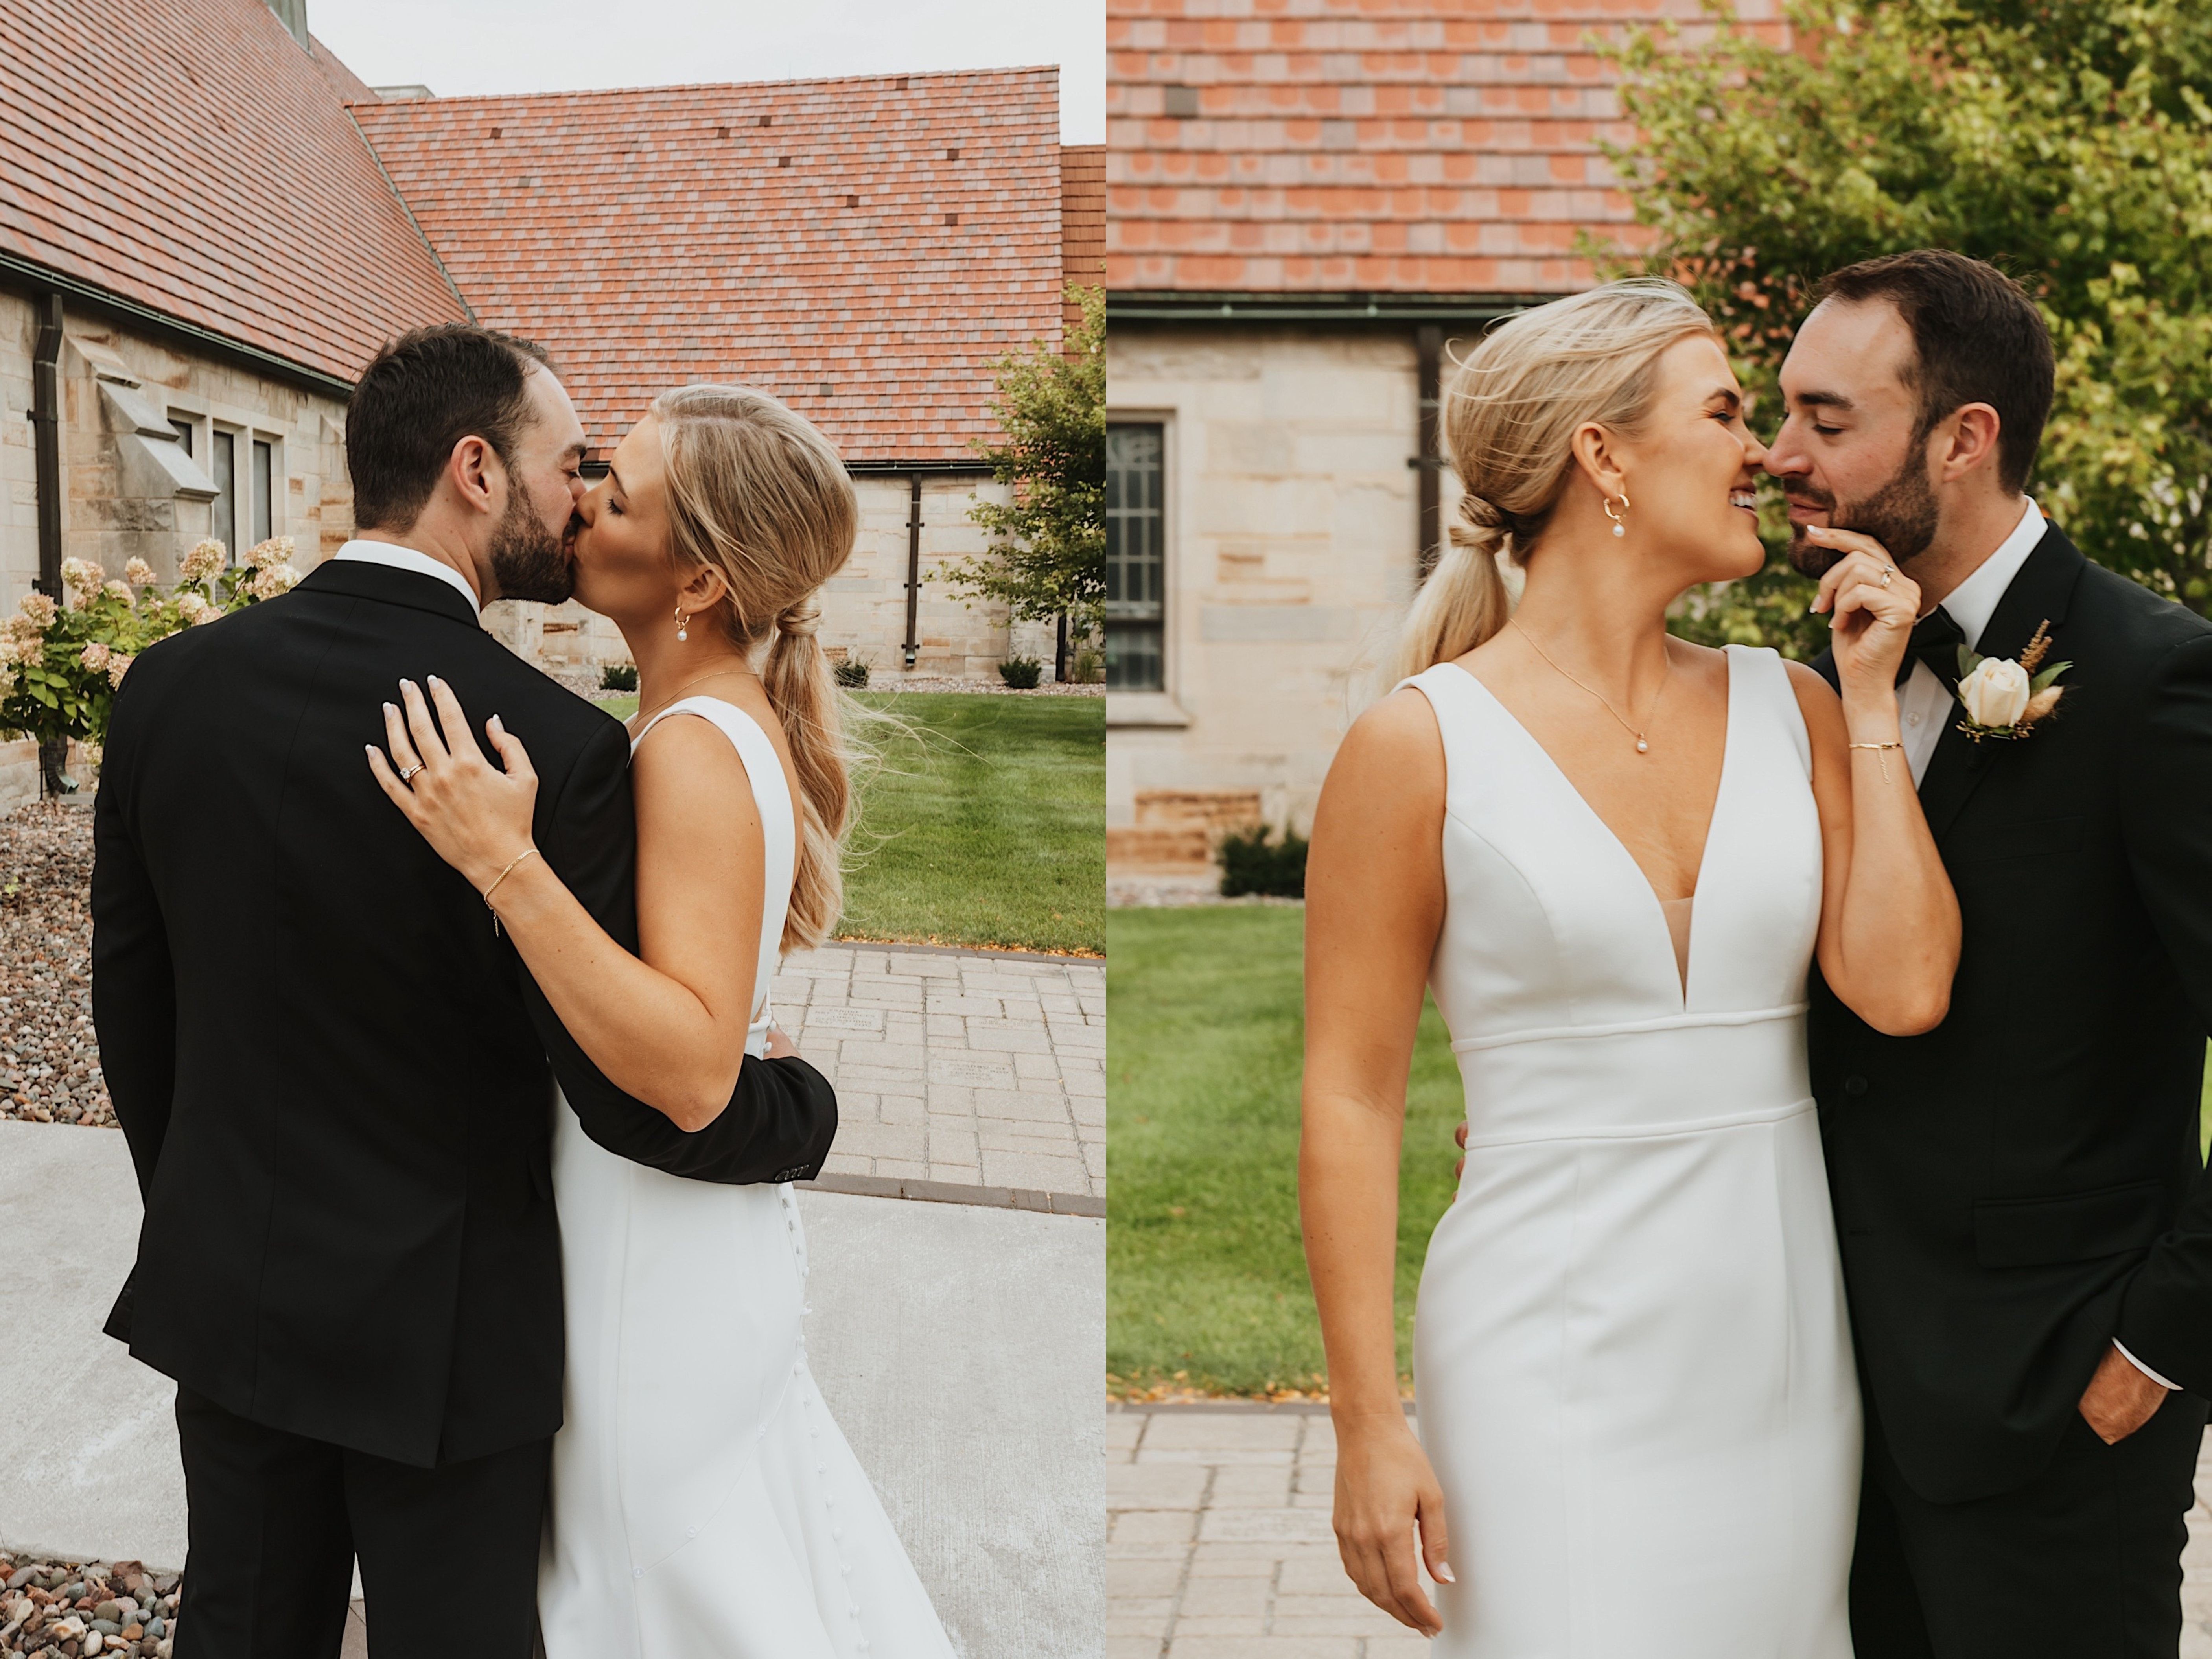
2119, 1399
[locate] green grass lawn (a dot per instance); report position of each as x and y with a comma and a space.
986, 826
1205, 1275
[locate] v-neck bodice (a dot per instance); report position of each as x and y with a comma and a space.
1552, 931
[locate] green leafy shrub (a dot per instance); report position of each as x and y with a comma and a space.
618, 677
852, 674
1021, 672
1251, 863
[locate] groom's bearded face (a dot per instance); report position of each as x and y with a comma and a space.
529, 561
1900, 514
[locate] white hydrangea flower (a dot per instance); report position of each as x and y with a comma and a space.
265, 556
118, 666
82, 574
275, 579
138, 573
41, 610
94, 655
205, 560
117, 590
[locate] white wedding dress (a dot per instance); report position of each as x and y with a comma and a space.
1632, 1368
704, 1504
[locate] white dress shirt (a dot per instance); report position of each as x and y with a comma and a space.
406, 558
1924, 702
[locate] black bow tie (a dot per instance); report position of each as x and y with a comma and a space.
1935, 642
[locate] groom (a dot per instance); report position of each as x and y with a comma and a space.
331, 1069
2026, 1227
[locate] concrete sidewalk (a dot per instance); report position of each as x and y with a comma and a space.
974, 1067
959, 1346
1219, 1545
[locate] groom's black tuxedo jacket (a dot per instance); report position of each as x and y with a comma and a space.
2020, 1185
333, 1077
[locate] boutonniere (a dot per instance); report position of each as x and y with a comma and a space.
2004, 698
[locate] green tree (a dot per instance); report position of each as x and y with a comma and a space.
2066, 142
1048, 556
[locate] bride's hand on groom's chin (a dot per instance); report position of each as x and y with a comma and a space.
1387, 1495
2119, 1399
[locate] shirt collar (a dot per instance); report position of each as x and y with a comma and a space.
1974, 601
406, 558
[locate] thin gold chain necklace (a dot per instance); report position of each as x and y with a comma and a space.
711, 674
1642, 742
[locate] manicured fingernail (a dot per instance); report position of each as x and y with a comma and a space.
1444, 1573
434, 680
392, 709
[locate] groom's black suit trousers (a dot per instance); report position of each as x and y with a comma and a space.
448, 1555
2017, 1188
334, 1078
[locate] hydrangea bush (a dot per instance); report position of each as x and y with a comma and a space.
60, 663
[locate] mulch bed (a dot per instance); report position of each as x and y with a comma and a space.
63, 1609
49, 1058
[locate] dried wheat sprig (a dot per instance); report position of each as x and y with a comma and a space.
2038, 647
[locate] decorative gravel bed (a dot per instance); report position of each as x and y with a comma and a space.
49, 1058
63, 1609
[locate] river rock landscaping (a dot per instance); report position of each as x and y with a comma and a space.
63, 1609
49, 1057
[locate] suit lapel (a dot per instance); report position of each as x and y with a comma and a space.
2039, 593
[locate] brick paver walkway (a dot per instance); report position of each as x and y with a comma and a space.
1218, 1544
969, 1068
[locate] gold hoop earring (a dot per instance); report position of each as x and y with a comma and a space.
1620, 525
683, 629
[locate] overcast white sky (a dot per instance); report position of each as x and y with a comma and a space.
459, 47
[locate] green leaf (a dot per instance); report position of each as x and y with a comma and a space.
1968, 662
45, 697
2042, 681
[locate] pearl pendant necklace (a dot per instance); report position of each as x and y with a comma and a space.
1642, 742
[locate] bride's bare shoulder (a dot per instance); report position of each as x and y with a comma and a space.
687, 773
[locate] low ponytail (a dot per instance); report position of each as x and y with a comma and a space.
1463, 600
1510, 420
757, 492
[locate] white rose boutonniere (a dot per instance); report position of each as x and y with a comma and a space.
2006, 699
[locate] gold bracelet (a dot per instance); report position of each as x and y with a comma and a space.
1884, 757
495, 881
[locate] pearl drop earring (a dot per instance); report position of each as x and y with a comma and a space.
682, 630
1619, 528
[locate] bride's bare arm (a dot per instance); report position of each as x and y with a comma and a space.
1889, 919
669, 1029
1374, 905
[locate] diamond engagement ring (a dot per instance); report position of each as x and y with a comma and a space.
408, 772
1888, 571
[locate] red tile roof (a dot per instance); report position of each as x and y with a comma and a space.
194, 159
863, 247
1082, 221
1364, 146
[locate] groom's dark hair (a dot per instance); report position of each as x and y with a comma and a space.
423, 394
1976, 338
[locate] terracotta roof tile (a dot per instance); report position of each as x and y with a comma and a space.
1429, 146
865, 248
1082, 221
193, 158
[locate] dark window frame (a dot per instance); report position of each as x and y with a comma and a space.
1136, 554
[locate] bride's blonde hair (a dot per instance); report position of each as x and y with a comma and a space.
759, 493
1511, 409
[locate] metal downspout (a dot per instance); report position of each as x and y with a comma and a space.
912, 564
47, 439
1429, 343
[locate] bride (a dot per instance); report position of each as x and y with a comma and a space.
703, 1501
1613, 855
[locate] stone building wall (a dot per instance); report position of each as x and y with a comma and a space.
863, 607
1292, 529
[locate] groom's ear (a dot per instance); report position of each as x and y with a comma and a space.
476, 473
1965, 440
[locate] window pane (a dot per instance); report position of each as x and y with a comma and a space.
1133, 659
184, 433
223, 456
262, 456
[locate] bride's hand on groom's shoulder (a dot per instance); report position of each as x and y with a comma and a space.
1871, 606
477, 816
1387, 1496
